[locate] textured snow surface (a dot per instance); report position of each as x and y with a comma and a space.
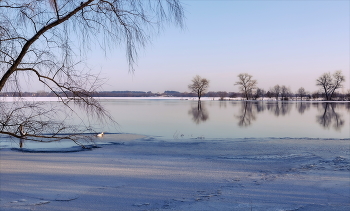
146, 174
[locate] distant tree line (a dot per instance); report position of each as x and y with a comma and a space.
258, 94
249, 90
327, 82
122, 94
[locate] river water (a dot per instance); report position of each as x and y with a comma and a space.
179, 119
230, 119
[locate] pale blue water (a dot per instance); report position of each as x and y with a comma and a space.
175, 119
231, 119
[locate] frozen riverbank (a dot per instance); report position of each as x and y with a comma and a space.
147, 174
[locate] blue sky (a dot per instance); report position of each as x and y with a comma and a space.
278, 42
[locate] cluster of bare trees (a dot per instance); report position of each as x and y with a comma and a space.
328, 82
279, 92
45, 41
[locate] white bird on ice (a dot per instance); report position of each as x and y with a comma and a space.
100, 134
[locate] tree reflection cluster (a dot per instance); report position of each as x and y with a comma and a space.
247, 115
302, 107
199, 113
250, 109
328, 115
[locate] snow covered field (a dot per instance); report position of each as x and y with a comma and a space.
141, 173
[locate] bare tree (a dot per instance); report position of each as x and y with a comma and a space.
199, 86
38, 121
269, 94
329, 83
285, 92
259, 93
46, 40
246, 84
276, 90
301, 93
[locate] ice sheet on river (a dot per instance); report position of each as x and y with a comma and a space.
197, 174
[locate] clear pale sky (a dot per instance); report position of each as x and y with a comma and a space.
278, 42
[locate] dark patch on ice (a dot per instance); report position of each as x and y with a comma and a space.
262, 139
113, 143
337, 164
150, 138
308, 138
317, 207
272, 157
54, 150
340, 159
68, 199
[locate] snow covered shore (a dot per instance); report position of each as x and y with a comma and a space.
55, 99
140, 173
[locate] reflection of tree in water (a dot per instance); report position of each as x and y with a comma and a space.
347, 106
260, 106
199, 113
246, 116
279, 108
302, 107
222, 104
329, 116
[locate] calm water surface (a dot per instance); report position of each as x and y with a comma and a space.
230, 119
177, 119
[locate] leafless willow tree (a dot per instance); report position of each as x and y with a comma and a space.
45, 41
37, 121
199, 86
246, 84
329, 83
